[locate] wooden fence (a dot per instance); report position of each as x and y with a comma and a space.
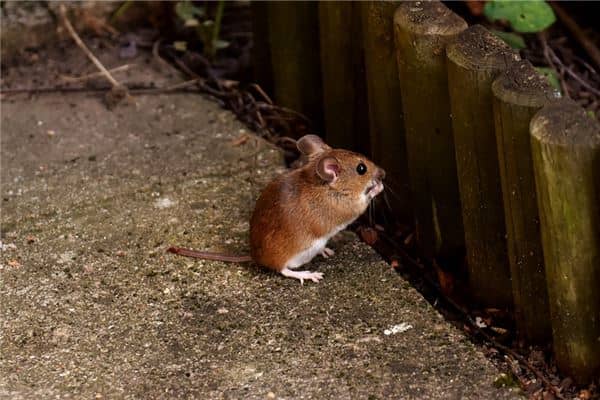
484, 156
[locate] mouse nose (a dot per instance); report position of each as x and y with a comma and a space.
380, 174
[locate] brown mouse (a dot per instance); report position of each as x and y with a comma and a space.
298, 212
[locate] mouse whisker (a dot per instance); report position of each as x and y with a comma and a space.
385, 219
387, 201
391, 191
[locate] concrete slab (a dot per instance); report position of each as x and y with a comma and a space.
92, 307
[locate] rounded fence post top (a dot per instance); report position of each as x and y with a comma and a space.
565, 123
479, 49
521, 84
428, 18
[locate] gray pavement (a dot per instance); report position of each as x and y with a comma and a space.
92, 307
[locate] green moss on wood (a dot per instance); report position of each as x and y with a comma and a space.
474, 60
518, 93
565, 144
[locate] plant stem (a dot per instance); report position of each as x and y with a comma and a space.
120, 11
217, 27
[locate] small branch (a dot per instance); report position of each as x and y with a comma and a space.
117, 91
546, 49
86, 50
183, 87
518, 357
183, 66
578, 33
75, 79
262, 93
572, 74
156, 55
556, 63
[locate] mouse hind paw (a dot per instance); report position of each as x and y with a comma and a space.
302, 275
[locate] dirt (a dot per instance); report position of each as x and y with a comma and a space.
91, 306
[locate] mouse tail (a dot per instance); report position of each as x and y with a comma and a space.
206, 255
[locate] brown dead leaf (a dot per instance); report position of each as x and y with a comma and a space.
14, 264
499, 330
548, 395
445, 279
585, 394
98, 25
31, 239
475, 7
409, 239
493, 311
240, 140
229, 84
368, 235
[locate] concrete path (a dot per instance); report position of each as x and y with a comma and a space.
92, 307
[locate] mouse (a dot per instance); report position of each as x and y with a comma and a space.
298, 212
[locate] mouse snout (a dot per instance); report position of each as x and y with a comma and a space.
380, 174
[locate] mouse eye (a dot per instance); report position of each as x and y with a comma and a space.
361, 169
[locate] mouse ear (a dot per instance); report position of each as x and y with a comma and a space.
311, 144
328, 169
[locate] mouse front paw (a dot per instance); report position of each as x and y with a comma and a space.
327, 252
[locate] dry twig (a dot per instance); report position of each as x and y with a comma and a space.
86, 50
578, 33
569, 71
117, 88
75, 79
157, 57
546, 50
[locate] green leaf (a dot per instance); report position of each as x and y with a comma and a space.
551, 76
186, 10
514, 40
523, 16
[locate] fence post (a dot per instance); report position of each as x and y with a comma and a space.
344, 86
386, 122
474, 60
422, 33
565, 143
261, 53
519, 93
294, 45
343, 72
